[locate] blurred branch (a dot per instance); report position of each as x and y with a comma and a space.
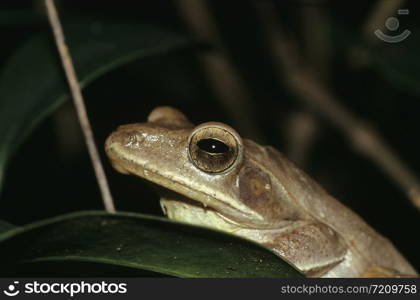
303, 127
316, 35
79, 103
314, 94
359, 55
225, 81
301, 130
382, 10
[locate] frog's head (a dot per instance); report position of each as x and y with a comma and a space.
219, 179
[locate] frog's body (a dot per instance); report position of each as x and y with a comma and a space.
238, 186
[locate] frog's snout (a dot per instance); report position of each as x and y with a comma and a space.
115, 139
113, 150
126, 136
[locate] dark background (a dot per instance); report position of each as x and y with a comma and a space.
51, 173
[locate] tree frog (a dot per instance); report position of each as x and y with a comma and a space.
214, 178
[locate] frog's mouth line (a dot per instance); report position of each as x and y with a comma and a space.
181, 194
197, 198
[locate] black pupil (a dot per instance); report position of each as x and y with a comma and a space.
212, 146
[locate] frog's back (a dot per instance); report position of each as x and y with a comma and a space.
367, 250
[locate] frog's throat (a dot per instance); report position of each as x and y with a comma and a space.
180, 208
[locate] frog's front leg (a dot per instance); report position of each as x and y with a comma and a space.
314, 248
319, 251
382, 272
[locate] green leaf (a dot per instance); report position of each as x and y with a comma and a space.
141, 242
32, 83
5, 226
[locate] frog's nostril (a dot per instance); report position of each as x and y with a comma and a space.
129, 139
120, 138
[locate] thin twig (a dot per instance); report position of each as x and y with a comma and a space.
79, 104
314, 94
225, 81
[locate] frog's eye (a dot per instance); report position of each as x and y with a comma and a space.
214, 147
